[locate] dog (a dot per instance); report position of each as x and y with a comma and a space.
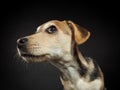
57, 42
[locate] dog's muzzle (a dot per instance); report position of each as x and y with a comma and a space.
23, 51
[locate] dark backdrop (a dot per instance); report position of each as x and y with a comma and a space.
22, 18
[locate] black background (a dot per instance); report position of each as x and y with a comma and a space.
22, 18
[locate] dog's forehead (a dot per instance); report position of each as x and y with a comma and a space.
59, 24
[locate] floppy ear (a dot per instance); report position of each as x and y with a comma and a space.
80, 33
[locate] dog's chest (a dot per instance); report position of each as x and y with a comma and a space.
82, 85
73, 81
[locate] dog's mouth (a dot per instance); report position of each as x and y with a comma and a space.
33, 56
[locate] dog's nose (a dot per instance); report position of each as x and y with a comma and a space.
22, 41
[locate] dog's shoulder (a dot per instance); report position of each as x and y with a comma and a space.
93, 69
95, 73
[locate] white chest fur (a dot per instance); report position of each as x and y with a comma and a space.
75, 82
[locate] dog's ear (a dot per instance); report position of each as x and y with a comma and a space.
80, 33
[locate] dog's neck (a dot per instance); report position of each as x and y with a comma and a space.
77, 72
70, 70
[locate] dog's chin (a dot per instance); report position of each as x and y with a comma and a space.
35, 58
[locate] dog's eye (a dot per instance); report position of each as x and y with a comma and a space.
51, 29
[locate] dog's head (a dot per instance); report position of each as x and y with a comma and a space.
52, 41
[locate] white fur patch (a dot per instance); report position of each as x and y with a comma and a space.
94, 85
